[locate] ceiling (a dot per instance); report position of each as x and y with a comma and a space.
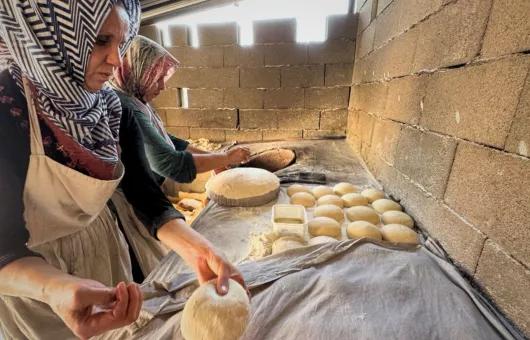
156, 10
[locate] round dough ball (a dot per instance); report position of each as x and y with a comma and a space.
295, 188
331, 199
243, 187
362, 214
208, 315
384, 205
329, 210
360, 229
397, 217
344, 188
303, 198
324, 226
286, 243
373, 194
353, 200
321, 240
321, 191
399, 233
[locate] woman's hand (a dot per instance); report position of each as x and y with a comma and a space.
238, 155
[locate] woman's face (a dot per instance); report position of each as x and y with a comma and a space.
154, 90
105, 55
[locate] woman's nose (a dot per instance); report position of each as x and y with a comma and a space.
114, 57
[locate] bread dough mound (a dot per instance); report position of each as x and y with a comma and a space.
208, 315
344, 188
321, 240
293, 189
397, 217
243, 187
354, 200
362, 214
373, 194
324, 226
321, 190
384, 205
360, 229
286, 243
303, 198
329, 210
331, 199
399, 233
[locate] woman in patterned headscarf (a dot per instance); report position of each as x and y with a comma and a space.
61, 253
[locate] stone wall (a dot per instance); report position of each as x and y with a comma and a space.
440, 112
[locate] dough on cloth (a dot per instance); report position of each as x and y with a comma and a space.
360, 229
373, 194
320, 240
321, 190
324, 226
397, 217
353, 200
331, 199
344, 188
384, 205
243, 187
362, 214
295, 188
399, 233
286, 243
209, 316
303, 198
329, 210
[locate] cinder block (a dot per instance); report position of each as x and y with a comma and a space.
387, 23
365, 42
298, 119
413, 11
365, 128
203, 118
260, 77
382, 5
217, 34
152, 32
331, 52
205, 56
205, 98
508, 282
369, 98
426, 158
327, 97
243, 98
204, 78
365, 16
451, 36
353, 124
508, 28
284, 98
302, 76
491, 189
404, 100
214, 135
244, 56
258, 119
394, 59
339, 74
178, 35
475, 103
324, 134
167, 98
275, 31
363, 69
359, 4
281, 134
285, 54
354, 142
182, 132
244, 135
519, 137
342, 26
385, 138
334, 119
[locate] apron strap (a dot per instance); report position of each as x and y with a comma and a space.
37, 147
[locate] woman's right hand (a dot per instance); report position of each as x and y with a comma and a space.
77, 302
238, 155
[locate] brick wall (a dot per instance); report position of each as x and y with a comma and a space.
440, 112
275, 89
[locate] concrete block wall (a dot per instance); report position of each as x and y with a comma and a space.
440, 113
274, 89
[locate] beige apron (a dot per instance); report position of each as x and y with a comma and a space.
72, 228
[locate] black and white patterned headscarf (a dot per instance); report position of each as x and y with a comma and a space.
50, 42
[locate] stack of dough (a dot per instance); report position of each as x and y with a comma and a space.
343, 188
295, 188
303, 198
384, 205
320, 191
360, 229
286, 243
399, 233
331, 199
324, 226
362, 214
373, 195
329, 210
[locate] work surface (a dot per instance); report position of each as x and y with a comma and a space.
353, 289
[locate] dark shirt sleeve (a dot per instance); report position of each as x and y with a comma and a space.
180, 145
150, 204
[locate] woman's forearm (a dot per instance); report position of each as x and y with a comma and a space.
211, 161
196, 151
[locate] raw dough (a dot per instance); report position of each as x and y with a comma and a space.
353, 200
360, 229
329, 210
384, 205
286, 243
362, 214
373, 194
243, 187
303, 198
344, 188
324, 226
321, 190
399, 233
397, 217
293, 189
331, 199
209, 316
321, 240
